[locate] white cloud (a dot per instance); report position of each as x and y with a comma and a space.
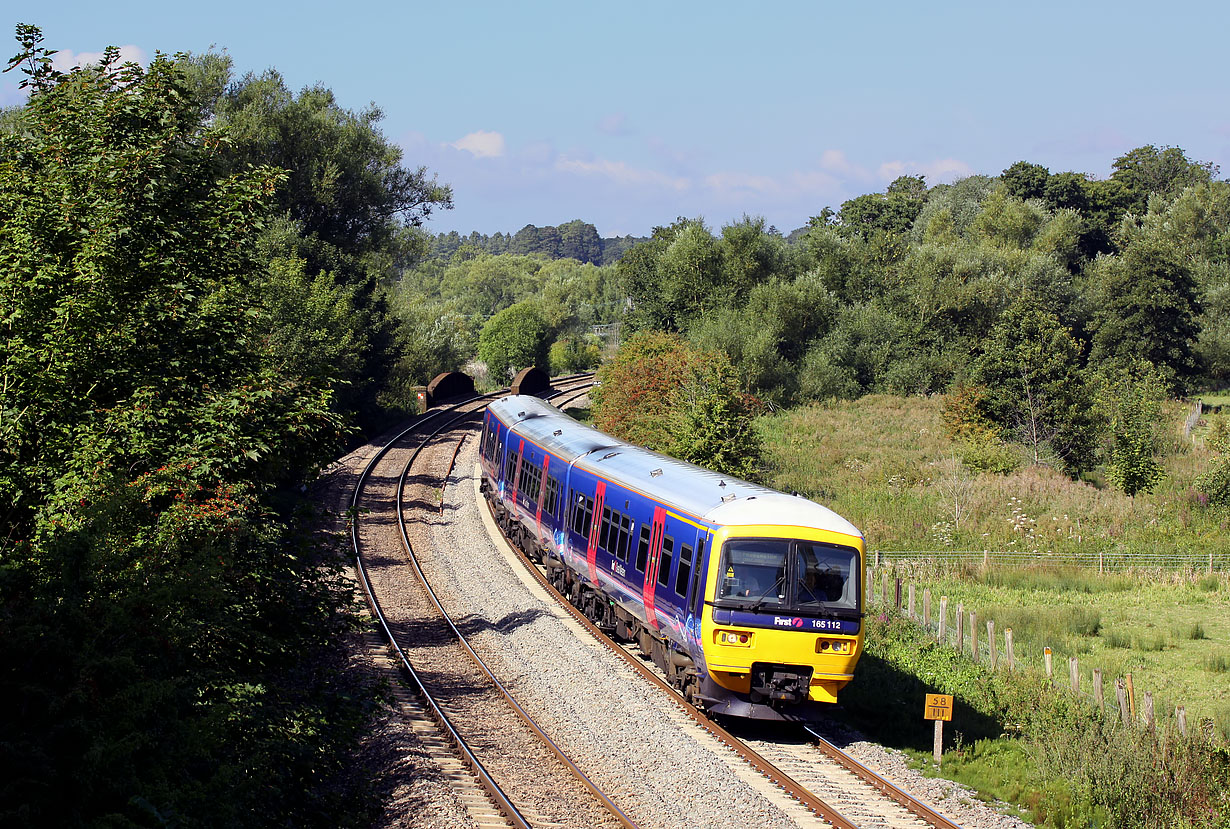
742, 184
481, 144
621, 172
66, 59
835, 161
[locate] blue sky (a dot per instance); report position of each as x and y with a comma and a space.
630, 114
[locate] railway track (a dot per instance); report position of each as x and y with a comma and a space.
506, 771
835, 793
864, 798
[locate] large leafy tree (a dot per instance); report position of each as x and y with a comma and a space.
1036, 392
1147, 302
515, 338
661, 392
145, 426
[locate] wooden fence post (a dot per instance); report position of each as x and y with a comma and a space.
1121, 696
1131, 696
1180, 715
884, 590
973, 634
877, 558
986, 558
1046, 660
1097, 688
927, 607
1149, 710
1100, 568
898, 605
960, 620
1008, 652
910, 606
943, 637
991, 644
1074, 674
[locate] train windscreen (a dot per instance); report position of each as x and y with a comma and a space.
777, 573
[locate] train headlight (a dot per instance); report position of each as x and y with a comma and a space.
734, 638
838, 646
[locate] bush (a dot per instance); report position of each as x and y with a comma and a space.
513, 339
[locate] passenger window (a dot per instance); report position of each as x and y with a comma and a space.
551, 501
625, 538
664, 566
642, 550
605, 540
582, 514
685, 570
698, 569
510, 468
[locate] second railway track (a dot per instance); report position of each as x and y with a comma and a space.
661, 767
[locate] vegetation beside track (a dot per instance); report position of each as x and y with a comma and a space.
1018, 738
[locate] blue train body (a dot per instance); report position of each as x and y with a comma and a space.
749, 599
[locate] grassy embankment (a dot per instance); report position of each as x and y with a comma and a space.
885, 463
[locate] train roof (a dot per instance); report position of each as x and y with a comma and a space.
703, 493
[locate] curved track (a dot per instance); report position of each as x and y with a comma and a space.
856, 803
859, 773
525, 788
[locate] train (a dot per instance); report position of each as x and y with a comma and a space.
750, 600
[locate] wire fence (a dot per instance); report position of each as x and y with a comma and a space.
994, 646
1102, 561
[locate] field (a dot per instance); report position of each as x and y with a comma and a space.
885, 463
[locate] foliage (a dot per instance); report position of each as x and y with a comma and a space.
1215, 482
1147, 302
671, 397
513, 339
572, 354
1036, 391
1133, 408
151, 417
1083, 767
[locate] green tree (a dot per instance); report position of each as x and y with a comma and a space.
1036, 392
147, 431
1147, 303
1165, 171
1215, 481
660, 392
513, 339
1133, 407
1025, 181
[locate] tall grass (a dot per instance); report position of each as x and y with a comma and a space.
885, 463
1037, 745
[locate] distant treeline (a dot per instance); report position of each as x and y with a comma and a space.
572, 240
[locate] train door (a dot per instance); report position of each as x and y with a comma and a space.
653, 566
591, 547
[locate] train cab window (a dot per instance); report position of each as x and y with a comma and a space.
642, 548
685, 570
664, 564
550, 502
582, 514
826, 574
754, 570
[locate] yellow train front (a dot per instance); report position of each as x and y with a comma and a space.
748, 599
782, 624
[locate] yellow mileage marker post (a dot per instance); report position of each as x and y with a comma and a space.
938, 708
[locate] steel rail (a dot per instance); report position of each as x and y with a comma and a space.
915, 806
746, 753
610, 805
501, 800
